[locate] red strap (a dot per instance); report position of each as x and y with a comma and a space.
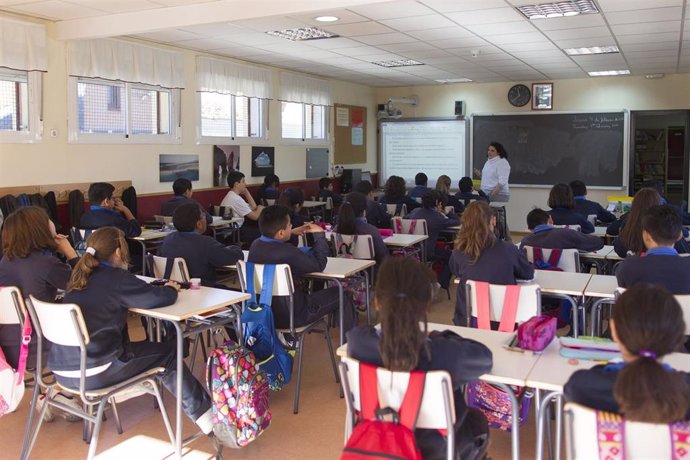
368, 391
538, 255
413, 224
24, 350
412, 402
398, 225
483, 305
510, 304
554, 257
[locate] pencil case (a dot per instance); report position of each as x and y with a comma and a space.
536, 333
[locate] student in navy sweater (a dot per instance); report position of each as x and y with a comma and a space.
563, 211
587, 207
432, 210
545, 235
480, 256
270, 248
647, 322
203, 254
108, 211
352, 221
293, 199
105, 290
420, 181
326, 191
661, 265
443, 187
403, 295
394, 193
466, 191
377, 214
269, 189
183, 194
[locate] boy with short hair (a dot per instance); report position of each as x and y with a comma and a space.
108, 211
420, 181
183, 194
545, 235
587, 207
377, 214
466, 192
243, 206
271, 248
326, 191
203, 254
661, 264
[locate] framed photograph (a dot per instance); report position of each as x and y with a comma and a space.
178, 166
263, 161
225, 158
542, 96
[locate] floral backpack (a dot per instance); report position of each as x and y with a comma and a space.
355, 285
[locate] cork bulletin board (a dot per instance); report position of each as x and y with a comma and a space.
350, 134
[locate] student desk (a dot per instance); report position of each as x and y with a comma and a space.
149, 240
603, 288
224, 227
403, 240
190, 303
315, 207
338, 269
599, 258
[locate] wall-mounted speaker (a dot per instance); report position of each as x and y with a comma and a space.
460, 108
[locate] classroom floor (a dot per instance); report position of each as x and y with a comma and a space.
315, 433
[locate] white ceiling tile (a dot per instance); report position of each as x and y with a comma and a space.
431, 21
585, 42
359, 28
358, 51
513, 27
556, 67
459, 43
567, 34
515, 39
647, 38
204, 44
332, 43
390, 10
344, 17
56, 10
533, 75
627, 5
380, 57
385, 39
654, 60
446, 6
572, 22
270, 23
642, 55
555, 75
483, 49
117, 6
687, 26
179, 2
428, 54
646, 28
491, 57
537, 46
341, 61
441, 34
408, 47
253, 39
241, 51
648, 15
214, 30
487, 16
170, 35
655, 46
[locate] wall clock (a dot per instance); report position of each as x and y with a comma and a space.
519, 95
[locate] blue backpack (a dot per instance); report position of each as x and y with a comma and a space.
260, 334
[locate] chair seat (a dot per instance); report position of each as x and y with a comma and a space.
302, 329
99, 392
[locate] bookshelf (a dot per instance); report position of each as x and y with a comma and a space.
650, 156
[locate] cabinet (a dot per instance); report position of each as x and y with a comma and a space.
650, 156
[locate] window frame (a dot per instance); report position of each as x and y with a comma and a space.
77, 137
233, 138
304, 140
34, 88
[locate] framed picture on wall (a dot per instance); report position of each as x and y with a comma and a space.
174, 166
263, 161
542, 96
225, 158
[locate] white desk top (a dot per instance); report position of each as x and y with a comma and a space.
404, 240
600, 254
599, 231
313, 204
601, 286
560, 282
341, 268
147, 235
193, 302
224, 222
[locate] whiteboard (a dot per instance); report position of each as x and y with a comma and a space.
432, 146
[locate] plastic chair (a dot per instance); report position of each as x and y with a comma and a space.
179, 271
592, 218
412, 227
642, 441
437, 409
569, 261
392, 208
63, 325
571, 227
163, 219
283, 286
355, 246
529, 302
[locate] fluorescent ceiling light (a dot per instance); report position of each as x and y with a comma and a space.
327, 18
302, 34
398, 63
558, 9
604, 73
454, 80
591, 50
654, 76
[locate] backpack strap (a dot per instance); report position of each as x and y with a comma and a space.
510, 304
412, 402
398, 225
554, 257
368, 391
169, 263
413, 225
398, 209
483, 309
538, 255
250, 281
680, 440
267, 285
610, 436
24, 350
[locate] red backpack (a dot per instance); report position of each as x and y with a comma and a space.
377, 437
551, 264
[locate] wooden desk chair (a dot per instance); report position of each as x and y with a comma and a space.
529, 302
63, 325
569, 261
437, 411
283, 286
640, 441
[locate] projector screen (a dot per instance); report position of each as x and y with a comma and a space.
433, 147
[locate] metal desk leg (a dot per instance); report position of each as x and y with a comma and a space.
341, 307
366, 280
143, 256
559, 429
515, 409
541, 420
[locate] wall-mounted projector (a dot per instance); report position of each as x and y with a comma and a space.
388, 111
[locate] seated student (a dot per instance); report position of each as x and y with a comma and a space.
108, 211
104, 289
466, 193
352, 221
647, 323
203, 254
293, 199
271, 249
183, 194
248, 211
443, 187
587, 207
480, 256
433, 211
394, 193
545, 235
420, 181
269, 189
563, 211
661, 229
326, 191
377, 214
402, 297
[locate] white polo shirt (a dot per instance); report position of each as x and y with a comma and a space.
240, 208
496, 171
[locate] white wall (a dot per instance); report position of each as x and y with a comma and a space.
54, 160
600, 93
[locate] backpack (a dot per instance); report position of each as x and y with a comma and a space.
75, 207
259, 331
551, 264
78, 241
407, 251
239, 392
129, 199
377, 438
11, 381
355, 285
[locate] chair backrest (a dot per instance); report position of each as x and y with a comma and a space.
642, 441
529, 302
571, 227
437, 407
592, 218
406, 226
12, 307
179, 270
163, 219
360, 246
329, 202
569, 261
392, 208
448, 209
268, 201
684, 301
221, 211
59, 323
282, 283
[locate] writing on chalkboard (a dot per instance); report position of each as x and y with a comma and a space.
598, 121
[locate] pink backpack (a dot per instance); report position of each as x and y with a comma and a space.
11, 381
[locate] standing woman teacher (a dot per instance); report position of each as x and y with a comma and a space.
495, 176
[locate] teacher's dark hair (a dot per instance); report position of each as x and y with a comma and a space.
500, 149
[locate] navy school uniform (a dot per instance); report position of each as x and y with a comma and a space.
565, 216
409, 203
587, 207
168, 208
418, 191
615, 227
501, 263
467, 197
269, 193
681, 246
364, 228
435, 222
661, 266
202, 254
98, 217
377, 214
308, 307
297, 220
325, 193
548, 237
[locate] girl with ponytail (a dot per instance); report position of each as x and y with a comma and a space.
647, 322
402, 297
352, 220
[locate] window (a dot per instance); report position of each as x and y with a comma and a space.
109, 111
19, 111
229, 116
303, 121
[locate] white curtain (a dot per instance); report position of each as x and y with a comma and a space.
307, 90
225, 77
23, 45
125, 61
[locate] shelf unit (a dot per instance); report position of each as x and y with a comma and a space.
651, 159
